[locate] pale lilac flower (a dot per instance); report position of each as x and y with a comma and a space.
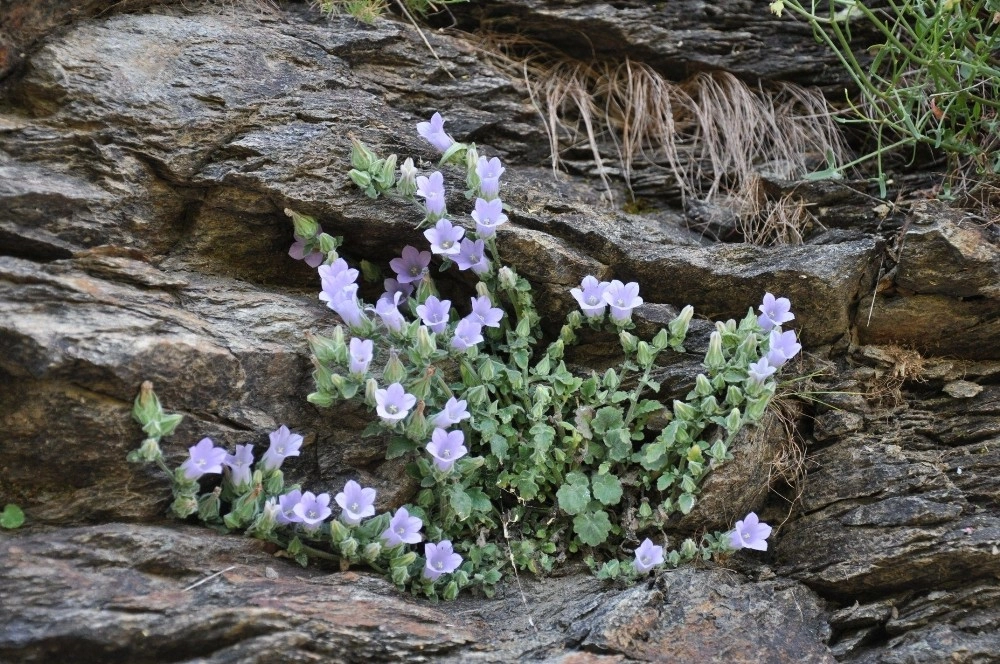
760, 370
205, 458
774, 312
489, 172
445, 238
361, 354
286, 505
403, 529
393, 403
435, 134
298, 252
782, 347
239, 464
311, 509
431, 189
388, 311
441, 559
590, 296
488, 215
412, 266
472, 256
356, 502
455, 410
484, 313
434, 313
344, 301
750, 533
623, 298
648, 556
337, 275
393, 286
284, 444
468, 333
446, 447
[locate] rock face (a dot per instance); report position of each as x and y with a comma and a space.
145, 160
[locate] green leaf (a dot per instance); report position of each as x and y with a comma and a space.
11, 517
619, 396
461, 502
525, 485
480, 501
573, 497
542, 436
647, 406
592, 527
686, 503
498, 446
666, 481
607, 418
607, 488
398, 446
619, 444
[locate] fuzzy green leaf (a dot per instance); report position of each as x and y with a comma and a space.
398, 446
461, 502
607, 418
592, 527
573, 498
607, 488
686, 503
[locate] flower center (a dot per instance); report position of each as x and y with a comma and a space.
439, 565
280, 449
621, 302
645, 560
354, 507
392, 409
447, 244
401, 531
414, 271
312, 514
474, 258
746, 536
446, 454
200, 463
592, 300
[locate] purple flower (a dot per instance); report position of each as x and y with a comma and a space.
468, 333
760, 370
782, 347
434, 132
455, 410
412, 266
590, 296
488, 215
434, 313
441, 559
356, 502
286, 504
431, 189
484, 313
337, 275
750, 533
393, 403
446, 447
774, 312
392, 286
489, 172
240, 463
344, 301
284, 444
361, 355
444, 238
298, 252
648, 556
311, 509
388, 311
472, 256
205, 458
403, 529
623, 298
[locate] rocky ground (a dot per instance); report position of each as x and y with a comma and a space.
147, 151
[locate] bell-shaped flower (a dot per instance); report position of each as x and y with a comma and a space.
344, 301
441, 559
403, 529
388, 311
286, 505
472, 256
445, 238
446, 447
782, 347
774, 312
455, 410
284, 444
750, 533
411, 266
393, 286
484, 313
488, 215
311, 509
590, 296
434, 313
468, 333
648, 556
298, 252
337, 275
760, 370
204, 458
360, 351
393, 403
489, 172
435, 134
240, 465
407, 183
622, 298
431, 189
356, 502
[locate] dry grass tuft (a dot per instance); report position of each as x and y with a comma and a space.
710, 133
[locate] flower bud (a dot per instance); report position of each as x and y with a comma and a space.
150, 451
574, 319
450, 591
689, 549
523, 328
756, 407
709, 406
734, 420
338, 531
718, 450
305, 227
482, 290
661, 340
274, 483
394, 371
734, 396
328, 349
487, 371
360, 178
508, 280
349, 547
628, 340
407, 184
400, 575
328, 245
471, 176
426, 344
702, 386
361, 157
416, 426
184, 506
208, 505
714, 359
386, 173
477, 395
322, 399
372, 552
337, 381
370, 386
683, 411
679, 326
644, 355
